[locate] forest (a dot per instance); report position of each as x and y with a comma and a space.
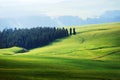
31, 38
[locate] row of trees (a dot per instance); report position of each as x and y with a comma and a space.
32, 38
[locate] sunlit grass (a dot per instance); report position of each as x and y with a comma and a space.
76, 57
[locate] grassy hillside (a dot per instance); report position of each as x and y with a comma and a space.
92, 54
10, 51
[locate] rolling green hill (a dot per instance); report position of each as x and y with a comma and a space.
92, 54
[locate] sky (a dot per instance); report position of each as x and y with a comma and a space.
56, 8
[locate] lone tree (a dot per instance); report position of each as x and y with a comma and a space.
70, 31
74, 32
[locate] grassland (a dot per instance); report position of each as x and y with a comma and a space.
92, 54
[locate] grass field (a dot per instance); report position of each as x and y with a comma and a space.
92, 54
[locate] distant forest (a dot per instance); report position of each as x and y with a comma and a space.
31, 38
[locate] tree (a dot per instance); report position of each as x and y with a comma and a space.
74, 32
70, 31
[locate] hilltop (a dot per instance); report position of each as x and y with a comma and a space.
90, 42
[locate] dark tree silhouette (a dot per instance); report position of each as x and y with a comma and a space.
74, 32
70, 31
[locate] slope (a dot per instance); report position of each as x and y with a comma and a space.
90, 42
92, 54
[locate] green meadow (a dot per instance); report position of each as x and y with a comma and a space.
92, 54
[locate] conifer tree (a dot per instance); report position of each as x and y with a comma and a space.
74, 32
70, 31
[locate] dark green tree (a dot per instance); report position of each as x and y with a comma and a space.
70, 31
74, 31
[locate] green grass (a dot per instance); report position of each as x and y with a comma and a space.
10, 51
92, 54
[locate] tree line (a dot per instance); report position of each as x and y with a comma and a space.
31, 38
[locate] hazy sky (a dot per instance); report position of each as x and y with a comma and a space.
54, 8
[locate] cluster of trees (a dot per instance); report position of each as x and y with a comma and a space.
30, 38
72, 31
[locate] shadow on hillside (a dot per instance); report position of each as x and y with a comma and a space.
93, 30
115, 52
103, 47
